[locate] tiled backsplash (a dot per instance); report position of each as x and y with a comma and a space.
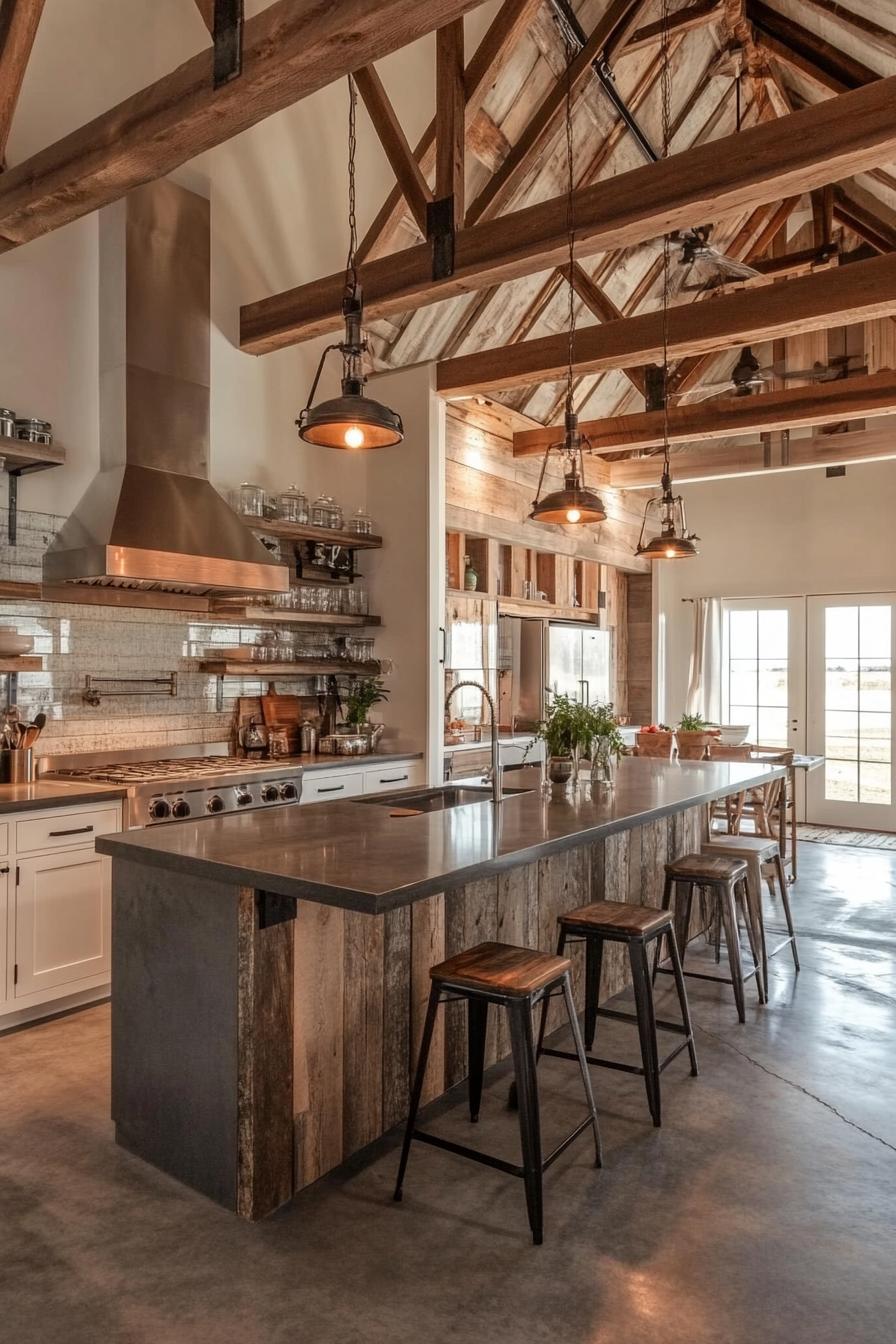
77, 640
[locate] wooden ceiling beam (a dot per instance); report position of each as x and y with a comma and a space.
857, 293
796, 46
834, 139
864, 219
413, 185
727, 417
881, 39
290, 49
450, 117
604, 309
719, 461
682, 21
18, 29
546, 118
505, 31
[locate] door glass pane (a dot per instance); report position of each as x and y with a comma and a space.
858, 704
841, 781
756, 677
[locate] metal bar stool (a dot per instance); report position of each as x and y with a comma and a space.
758, 851
725, 879
637, 926
514, 978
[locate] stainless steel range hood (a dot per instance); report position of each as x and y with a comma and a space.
151, 520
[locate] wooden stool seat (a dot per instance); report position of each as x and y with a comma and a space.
514, 979
706, 868
761, 852
501, 969
762, 846
616, 917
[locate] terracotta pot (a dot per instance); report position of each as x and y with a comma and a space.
692, 746
655, 744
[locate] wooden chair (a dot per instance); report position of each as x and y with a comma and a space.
726, 809
766, 805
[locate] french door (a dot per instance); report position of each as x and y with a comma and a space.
851, 651
764, 669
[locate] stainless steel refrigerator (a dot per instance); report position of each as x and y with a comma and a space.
579, 662
536, 656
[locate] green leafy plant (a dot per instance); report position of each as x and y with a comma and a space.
693, 723
363, 695
569, 727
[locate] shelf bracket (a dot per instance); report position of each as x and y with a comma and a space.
440, 225
13, 502
227, 35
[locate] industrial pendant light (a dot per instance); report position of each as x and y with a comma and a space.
674, 541
575, 503
352, 420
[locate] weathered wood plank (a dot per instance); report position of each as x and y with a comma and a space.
427, 949
319, 1032
362, 1043
397, 952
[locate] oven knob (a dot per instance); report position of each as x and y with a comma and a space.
269, 793
288, 792
159, 809
243, 798
180, 809
215, 803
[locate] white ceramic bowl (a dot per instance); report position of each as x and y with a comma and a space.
12, 644
733, 734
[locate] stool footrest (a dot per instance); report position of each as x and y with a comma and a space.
499, 1163
617, 1064
619, 1016
714, 979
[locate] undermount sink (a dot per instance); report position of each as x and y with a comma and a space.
439, 800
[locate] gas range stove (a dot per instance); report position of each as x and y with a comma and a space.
185, 787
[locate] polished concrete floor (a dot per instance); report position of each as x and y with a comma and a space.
762, 1211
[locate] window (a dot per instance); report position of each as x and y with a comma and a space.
857, 724
756, 672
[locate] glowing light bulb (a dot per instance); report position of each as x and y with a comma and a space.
354, 437
670, 554
573, 515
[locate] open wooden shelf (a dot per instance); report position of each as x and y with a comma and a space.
301, 668
332, 536
239, 615
19, 453
524, 606
25, 662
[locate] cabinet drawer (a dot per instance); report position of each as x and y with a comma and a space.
331, 785
386, 777
56, 829
4, 837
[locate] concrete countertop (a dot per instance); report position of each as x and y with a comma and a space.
54, 793
354, 854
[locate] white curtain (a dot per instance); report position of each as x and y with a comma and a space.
705, 684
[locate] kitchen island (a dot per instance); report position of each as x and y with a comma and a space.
271, 969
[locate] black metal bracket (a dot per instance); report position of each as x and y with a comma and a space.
654, 387
227, 35
274, 909
440, 231
13, 502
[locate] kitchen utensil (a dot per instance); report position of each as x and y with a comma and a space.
16, 767
253, 738
12, 644
308, 738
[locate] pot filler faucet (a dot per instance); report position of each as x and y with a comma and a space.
496, 769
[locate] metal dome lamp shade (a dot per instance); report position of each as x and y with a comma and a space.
351, 420
575, 503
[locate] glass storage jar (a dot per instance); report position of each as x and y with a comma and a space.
361, 523
251, 498
292, 505
320, 511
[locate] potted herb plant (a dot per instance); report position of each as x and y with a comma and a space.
561, 731
693, 735
364, 693
606, 743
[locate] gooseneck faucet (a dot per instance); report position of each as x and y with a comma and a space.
496, 771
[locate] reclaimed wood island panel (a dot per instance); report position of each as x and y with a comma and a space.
271, 970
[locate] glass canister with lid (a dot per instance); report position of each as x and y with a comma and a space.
320, 511
361, 523
292, 505
251, 500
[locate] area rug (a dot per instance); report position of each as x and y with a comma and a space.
831, 835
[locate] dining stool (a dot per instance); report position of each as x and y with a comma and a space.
636, 926
724, 880
516, 979
759, 852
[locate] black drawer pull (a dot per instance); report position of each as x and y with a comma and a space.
334, 788
4, 869
76, 830
392, 779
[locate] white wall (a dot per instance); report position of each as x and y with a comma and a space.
780, 535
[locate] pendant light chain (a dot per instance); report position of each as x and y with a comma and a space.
570, 228
666, 101
351, 265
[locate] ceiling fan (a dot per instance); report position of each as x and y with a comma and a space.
748, 377
694, 249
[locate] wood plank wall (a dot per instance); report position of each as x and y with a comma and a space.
639, 647
362, 981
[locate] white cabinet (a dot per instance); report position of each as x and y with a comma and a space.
55, 908
63, 907
329, 786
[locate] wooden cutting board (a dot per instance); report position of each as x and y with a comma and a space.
283, 711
